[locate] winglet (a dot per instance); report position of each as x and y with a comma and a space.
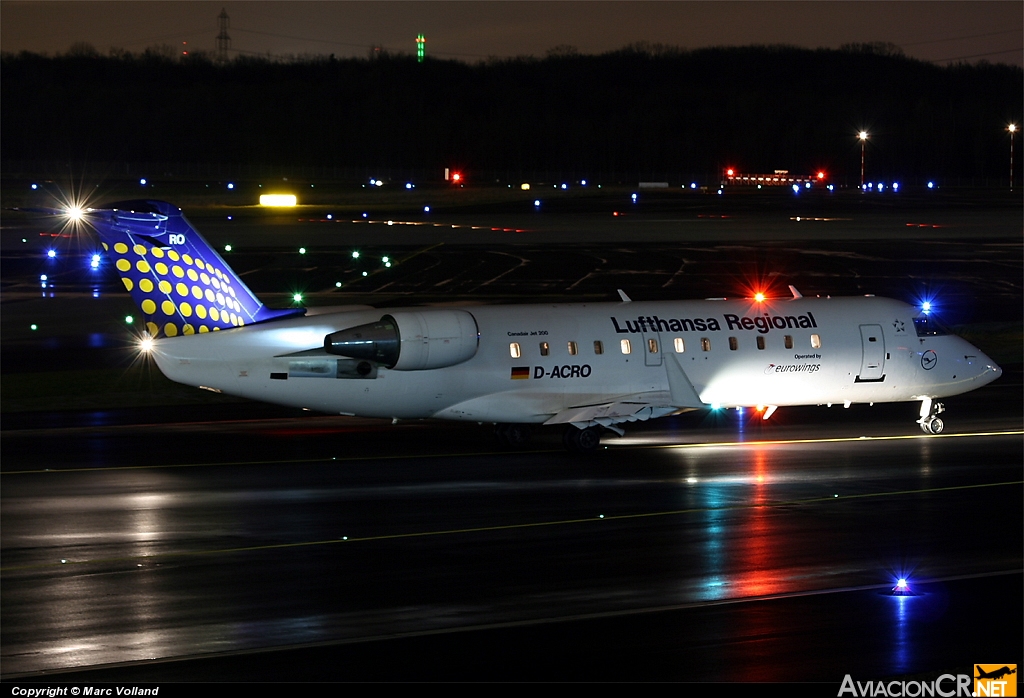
624, 297
681, 389
796, 294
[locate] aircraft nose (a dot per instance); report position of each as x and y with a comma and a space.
989, 370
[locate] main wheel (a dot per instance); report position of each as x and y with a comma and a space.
512, 435
582, 440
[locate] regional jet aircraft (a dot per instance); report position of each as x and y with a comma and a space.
588, 366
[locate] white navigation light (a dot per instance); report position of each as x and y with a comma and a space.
278, 200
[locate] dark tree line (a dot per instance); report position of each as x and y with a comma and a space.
637, 110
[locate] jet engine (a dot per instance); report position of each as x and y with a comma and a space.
410, 340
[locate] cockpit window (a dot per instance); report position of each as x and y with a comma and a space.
929, 327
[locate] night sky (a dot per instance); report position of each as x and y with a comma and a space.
472, 31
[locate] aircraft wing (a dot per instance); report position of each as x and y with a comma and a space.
618, 410
681, 395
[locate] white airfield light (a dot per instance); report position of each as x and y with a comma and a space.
278, 200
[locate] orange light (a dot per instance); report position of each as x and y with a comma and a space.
759, 297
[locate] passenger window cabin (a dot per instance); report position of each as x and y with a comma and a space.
680, 347
815, 341
544, 349
734, 344
705, 344
573, 349
625, 346
513, 350
760, 343
598, 347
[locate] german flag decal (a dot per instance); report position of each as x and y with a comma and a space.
520, 373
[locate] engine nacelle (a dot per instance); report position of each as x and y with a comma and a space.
410, 340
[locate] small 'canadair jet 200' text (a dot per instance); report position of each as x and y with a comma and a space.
588, 366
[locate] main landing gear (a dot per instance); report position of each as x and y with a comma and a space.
513, 436
581, 440
929, 421
517, 436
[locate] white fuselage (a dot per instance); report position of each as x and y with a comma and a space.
803, 351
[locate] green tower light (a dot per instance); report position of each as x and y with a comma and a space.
421, 47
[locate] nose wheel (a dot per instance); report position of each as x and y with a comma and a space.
929, 421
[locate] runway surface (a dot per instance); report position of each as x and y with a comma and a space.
186, 540
180, 540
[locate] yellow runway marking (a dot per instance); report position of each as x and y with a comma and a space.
502, 527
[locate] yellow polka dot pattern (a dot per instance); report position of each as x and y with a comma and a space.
209, 302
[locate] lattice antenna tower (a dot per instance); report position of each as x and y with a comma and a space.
223, 40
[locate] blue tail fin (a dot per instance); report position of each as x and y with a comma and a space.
178, 280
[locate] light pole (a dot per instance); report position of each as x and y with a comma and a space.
1012, 128
863, 136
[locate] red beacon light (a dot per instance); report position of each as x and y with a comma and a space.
759, 297
456, 176
821, 175
730, 172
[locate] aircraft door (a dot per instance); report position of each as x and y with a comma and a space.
652, 349
872, 363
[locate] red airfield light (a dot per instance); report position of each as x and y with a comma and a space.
730, 172
821, 175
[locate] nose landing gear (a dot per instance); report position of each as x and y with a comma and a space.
929, 421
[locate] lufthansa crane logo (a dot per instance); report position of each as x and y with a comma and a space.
928, 360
